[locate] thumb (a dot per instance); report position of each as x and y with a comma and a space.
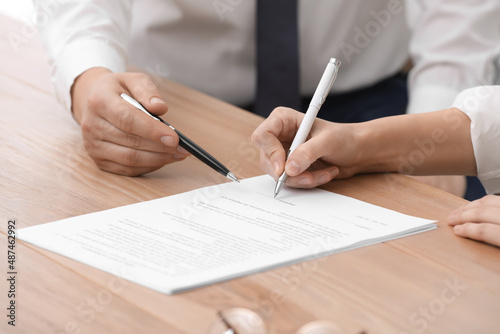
304, 156
157, 105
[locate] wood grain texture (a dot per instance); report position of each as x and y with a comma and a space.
433, 282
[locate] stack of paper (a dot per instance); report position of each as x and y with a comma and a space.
212, 234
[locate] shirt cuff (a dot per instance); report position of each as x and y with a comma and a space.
430, 98
482, 105
80, 56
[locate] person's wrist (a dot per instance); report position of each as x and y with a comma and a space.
371, 152
80, 88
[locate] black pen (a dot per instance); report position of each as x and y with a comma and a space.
187, 143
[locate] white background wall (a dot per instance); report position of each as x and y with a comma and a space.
17, 8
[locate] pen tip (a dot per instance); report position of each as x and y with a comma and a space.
232, 177
279, 186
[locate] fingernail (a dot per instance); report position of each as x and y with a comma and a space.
179, 156
304, 181
457, 229
292, 167
155, 100
182, 150
168, 140
276, 167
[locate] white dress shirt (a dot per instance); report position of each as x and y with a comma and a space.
209, 45
482, 105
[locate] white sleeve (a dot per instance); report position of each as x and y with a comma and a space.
453, 47
81, 34
482, 105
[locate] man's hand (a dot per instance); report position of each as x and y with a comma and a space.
478, 220
118, 137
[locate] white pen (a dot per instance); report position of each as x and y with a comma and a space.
322, 91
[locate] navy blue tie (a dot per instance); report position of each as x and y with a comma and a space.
277, 56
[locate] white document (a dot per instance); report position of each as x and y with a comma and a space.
216, 233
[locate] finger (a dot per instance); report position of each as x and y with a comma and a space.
306, 154
484, 210
105, 131
132, 157
130, 120
489, 233
116, 168
282, 123
269, 136
267, 166
105, 102
311, 179
143, 89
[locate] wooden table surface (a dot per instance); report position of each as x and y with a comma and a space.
432, 282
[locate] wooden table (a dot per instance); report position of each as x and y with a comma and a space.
433, 282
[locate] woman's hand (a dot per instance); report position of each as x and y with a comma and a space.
329, 152
478, 220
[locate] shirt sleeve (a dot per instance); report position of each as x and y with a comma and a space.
482, 105
81, 34
453, 47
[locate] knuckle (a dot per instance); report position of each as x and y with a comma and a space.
255, 137
152, 133
280, 111
144, 82
96, 101
275, 154
490, 199
87, 126
480, 231
126, 121
124, 170
117, 169
306, 155
474, 213
129, 171
259, 139
143, 76
275, 114
93, 131
134, 141
132, 157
